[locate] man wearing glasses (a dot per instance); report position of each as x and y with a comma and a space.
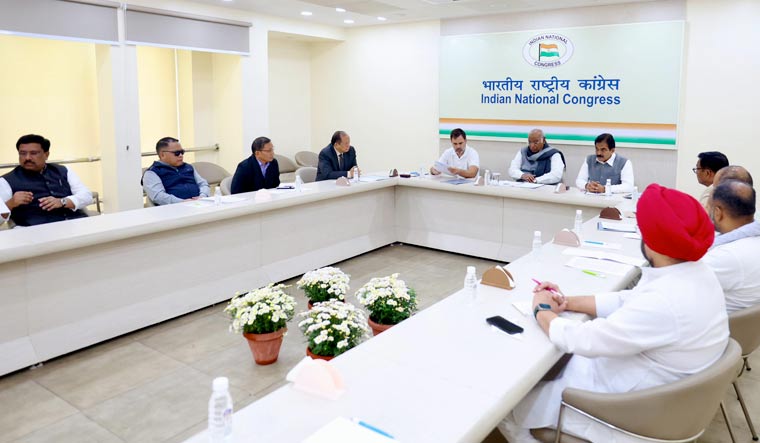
708, 164
171, 180
37, 192
259, 171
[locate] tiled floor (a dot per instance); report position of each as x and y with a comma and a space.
153, 385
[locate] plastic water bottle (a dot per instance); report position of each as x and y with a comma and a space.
487, 178
218, 196
635, 194
299, 182
220, 412
608, 188
356, 174
536, 250
471, 285
578, 225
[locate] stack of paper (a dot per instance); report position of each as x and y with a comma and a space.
600, 266
604, 255
617, 227
343, 430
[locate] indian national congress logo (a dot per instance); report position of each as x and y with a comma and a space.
548, 50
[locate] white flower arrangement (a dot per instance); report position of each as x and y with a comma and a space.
333, 327
261, 310
324, 284
388, 299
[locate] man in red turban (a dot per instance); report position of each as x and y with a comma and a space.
672, 324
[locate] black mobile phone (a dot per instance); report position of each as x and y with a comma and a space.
504, 324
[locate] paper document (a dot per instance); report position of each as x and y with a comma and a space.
457, 181
604, 267
634, 236
441, 167
526, 185
372, 178
226, 199
617, 227
604, 255
601, 244
343, 430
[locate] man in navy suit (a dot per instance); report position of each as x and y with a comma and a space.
258, 171
337, 159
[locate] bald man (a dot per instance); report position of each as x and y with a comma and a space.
538, 162
733, 172
671, 325
733, 256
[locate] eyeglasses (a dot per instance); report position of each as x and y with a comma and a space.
267, 150
694, 170
177, 153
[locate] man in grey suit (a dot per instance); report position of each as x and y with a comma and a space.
337, 159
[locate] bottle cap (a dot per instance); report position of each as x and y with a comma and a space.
578, 212
221, 384
537, 233
471, 269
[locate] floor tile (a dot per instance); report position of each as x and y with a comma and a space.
74, 429
27, 407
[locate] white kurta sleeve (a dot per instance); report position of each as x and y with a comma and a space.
80, 195
514, 168
582, 179
626, 179
633, 328
555, 174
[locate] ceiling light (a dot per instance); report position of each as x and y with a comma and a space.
348, 21
340, 10
382, 19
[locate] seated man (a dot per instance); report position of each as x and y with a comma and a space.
733, 172
708, 164
733, 255
337, 159
4, 212
538, 162
460, 159
171, 180
671, 325
606, 164
258, 171
38, 192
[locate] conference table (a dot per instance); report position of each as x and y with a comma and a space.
68, 285
444, 375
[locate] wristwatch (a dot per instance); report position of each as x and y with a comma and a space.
64, 200
541, 307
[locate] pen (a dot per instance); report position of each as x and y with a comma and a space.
593, 242
595, 274
372, 428
549, 289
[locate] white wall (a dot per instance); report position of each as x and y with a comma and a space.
290, 96
719, 109
380, 86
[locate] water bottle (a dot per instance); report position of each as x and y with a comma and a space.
487, 178
608, 188
299, 182
635, 194
536, 250
218, 196
577, 226
356, 174
220, 412
471, 285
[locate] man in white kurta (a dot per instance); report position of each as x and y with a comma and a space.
460, 159
671, 325
733, 256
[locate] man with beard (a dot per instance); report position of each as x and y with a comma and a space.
538, 162
37, 192
605, 165
671, 325
460, 159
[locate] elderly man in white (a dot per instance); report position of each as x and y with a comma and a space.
733, 256
671, 325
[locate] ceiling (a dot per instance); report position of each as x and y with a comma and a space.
365, 12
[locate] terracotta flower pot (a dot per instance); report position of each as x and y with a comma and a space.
377, 328
265, 347
318, 357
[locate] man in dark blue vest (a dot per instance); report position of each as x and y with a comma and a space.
259, 171
538, 162
37, 192
171, 180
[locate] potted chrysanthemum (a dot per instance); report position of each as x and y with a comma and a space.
388, 300
324, 284
332, 328
262, 315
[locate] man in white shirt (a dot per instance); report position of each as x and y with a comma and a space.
708, 164
459, 159
671, 325
604, 165
733, 256
4, 212
538, 162
37, 192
